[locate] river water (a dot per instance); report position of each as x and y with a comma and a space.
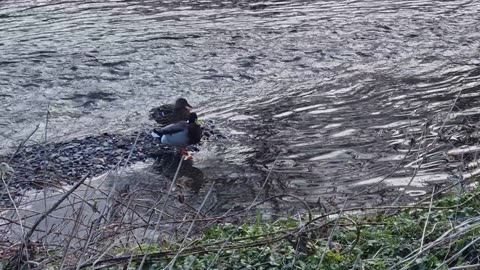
325, 95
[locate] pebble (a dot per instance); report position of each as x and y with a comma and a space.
69, 161
63, 159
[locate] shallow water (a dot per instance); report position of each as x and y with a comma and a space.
334, 91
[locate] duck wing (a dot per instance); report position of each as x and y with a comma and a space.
161, 111
172, 128
167, 114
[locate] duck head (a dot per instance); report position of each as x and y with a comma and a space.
182, 103
193, 118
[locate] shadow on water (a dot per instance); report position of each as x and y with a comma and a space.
189, 177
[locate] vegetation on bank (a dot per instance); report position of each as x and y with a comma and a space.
443, 234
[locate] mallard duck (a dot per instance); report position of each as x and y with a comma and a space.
171, 113
181, 134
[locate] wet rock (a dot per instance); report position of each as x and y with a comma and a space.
64, 159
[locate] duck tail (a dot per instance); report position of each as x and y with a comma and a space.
156, 134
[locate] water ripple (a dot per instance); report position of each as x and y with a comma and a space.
338, 88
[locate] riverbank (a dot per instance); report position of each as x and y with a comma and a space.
441, 234
438, 233
151, 215
38, 165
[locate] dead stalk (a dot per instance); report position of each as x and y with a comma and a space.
426, 221
217, 255
24, 240
157, 225
54, 206
172, 263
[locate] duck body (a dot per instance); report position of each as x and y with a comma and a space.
171, 113
181, 134
174, 134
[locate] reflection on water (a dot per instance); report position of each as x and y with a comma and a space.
190, 177
337, 92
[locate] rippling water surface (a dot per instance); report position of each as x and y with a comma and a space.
327, 93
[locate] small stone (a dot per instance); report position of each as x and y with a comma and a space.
63, 159
68, 147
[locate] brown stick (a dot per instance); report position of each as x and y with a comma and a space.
35, 225
22, 143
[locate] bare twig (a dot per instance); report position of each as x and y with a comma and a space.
426, 221
23, 143
24, 240
212, 263
54, 206
466, 267
172, 263
163, 208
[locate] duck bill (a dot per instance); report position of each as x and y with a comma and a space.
188, 106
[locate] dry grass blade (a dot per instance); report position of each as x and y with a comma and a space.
55, 205
252, 204
426, 221
172, 263
163, 208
